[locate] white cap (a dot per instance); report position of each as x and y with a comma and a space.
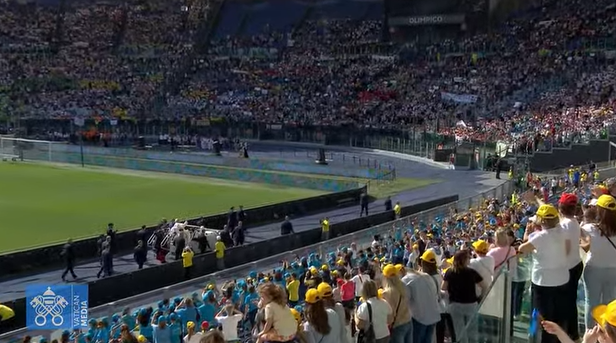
532, 219
218, 238
593, 202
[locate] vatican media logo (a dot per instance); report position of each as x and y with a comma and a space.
62, 307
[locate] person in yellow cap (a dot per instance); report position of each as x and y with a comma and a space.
424, 293
550, 272
142, 339
321, 324
600, 272
395, 294
326, 293
604, 331
192, 336
483, 264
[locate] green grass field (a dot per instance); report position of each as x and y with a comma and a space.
42, 204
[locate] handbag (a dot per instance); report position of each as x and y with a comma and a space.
366, 335
442, 306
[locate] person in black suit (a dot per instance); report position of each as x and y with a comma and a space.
232, 218
238, 234
180, 244
363, 201
286, 228
140, 254
69, 259
388, 205
241, 215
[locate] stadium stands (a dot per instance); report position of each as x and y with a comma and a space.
543, 78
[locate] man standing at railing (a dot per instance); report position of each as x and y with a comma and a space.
363, 202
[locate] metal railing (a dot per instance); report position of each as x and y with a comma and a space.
361, 238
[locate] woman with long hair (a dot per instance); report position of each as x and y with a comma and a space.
212, 336
550, 272
322, 325
423, 294
375, 312
567, 208
192, 336
396, 295
460, 282
279, 325
599, 240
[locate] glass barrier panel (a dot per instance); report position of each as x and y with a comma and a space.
484, 323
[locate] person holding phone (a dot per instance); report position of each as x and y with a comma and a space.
550, 273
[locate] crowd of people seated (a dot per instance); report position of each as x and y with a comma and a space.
544, 75
419, 279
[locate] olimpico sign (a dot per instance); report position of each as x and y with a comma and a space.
427, 20
438, 19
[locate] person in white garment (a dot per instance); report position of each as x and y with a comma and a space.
482, 264
228, 318
599, 241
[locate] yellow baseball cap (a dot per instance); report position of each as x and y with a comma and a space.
428, 256
547, 211
324, 267
380, 293
607, 202
481, 246
399, 267
142, 339
603, 314
389, 270
312, 296
190, 325
325, 290
313, 270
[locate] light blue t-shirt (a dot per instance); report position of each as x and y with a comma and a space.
161, 335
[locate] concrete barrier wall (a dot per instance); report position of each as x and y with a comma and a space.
114, 288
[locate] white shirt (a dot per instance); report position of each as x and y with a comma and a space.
601, 254
380, 311
572, 231
359, 281
196, 338
484, 265
549, 265
229, 326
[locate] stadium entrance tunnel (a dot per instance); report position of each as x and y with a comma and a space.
126, 285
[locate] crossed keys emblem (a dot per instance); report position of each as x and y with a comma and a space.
49, 304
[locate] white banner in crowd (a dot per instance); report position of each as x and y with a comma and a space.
459, 98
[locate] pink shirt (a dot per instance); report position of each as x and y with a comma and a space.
501, 254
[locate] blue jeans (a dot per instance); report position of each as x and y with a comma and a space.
600, 288
402, 333
462, 316
422, 333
